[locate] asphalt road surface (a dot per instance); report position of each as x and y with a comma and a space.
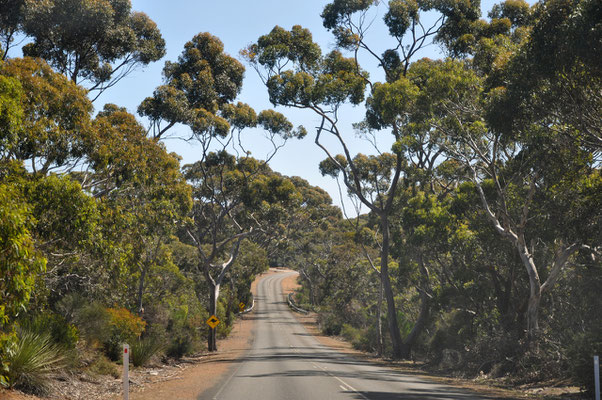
287, 363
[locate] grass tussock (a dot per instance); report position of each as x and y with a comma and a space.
142, 350
31, 360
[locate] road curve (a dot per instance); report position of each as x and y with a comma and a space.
285, 362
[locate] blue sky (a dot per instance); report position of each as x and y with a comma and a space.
238, 23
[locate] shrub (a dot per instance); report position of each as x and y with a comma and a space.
109, 327
124, 327
142, 350
180, 346
184, 338
30, 360
93, 322
581, 360
361, 339
102, 366
330, 323
351, 334
57, 327
125, 323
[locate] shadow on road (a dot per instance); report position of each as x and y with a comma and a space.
419, 394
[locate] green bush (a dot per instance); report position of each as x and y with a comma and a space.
180, 346
351, 334
30, 360
330, 324
103, 366
60, 330
93, 321
581, 358
361, 339
183, 336
109, 328
142, 350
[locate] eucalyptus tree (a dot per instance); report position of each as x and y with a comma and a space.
523, 181
56, 124
199, 92
93, 43
521, 118
554, 82
141, 183
298, 75
234, 199
11, 18
82, 173
312, 214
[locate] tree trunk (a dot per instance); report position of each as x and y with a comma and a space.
379, 323
410, 340
534, 289
532, 315
143, 271
213, 296
312, 297
408, 343
391, 309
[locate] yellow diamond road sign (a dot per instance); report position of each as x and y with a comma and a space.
212, 321
241, 305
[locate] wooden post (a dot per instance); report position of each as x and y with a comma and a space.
126, 372
597, 376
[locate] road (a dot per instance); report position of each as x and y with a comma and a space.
287, 363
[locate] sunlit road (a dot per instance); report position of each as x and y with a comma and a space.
287, 363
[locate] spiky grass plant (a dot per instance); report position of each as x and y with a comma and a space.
143, 349
31, 359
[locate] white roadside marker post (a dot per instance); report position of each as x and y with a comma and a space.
126, 372
597, 376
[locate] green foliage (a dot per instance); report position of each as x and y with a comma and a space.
581, 355
182, 335
61, 332
363, 339
108, 328
56, 116
64, 212
400, 16
198, 86
330, 324
143, 349
124, 327
106, 40
103, 366
20, 262
180, 346
351, 334
11, 113
332, 79
11, 19
30, 360
279, 45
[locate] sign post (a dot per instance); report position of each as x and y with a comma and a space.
597, 376
126, 372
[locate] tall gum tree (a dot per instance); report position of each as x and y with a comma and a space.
94, 43
523, 182
298, 75
526, 151
199, 91
234, 199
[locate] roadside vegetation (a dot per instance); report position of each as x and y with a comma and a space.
479, 250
